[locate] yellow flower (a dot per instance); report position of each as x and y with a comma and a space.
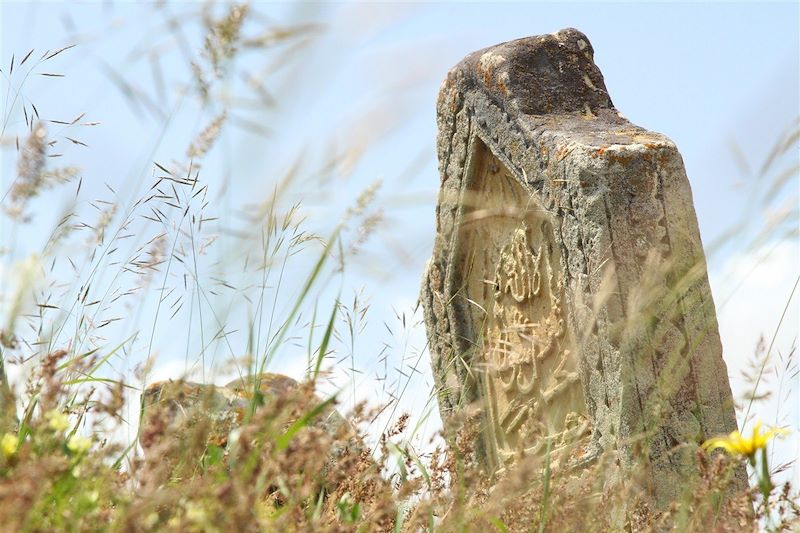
150, 521
56, 420
9, 444
736, 444
195, 513
78, 444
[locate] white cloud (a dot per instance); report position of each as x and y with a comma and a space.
751, 291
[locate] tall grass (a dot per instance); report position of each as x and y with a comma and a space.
235, 290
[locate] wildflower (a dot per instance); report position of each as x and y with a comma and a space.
78, 444
150, 521
9, 444
56, 420
736, 444
195, 513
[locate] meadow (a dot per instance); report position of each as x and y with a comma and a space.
180, 267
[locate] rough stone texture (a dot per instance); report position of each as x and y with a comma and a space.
172, 409
567, 294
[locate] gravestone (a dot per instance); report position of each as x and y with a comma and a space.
567, 296
173, 408
181, 419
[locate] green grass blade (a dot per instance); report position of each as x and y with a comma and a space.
323, 346
283, 441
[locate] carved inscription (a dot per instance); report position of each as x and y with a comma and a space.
515, 284
568, 262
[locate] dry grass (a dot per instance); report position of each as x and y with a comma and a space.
63, 466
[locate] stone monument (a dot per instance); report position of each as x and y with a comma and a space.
181, 419
567, 296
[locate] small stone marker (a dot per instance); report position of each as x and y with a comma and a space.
175, 412
567, 294
172, 408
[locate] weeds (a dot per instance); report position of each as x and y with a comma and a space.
79, 451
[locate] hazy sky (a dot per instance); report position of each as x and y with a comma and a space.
363, 89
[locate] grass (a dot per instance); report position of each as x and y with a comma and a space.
122, 270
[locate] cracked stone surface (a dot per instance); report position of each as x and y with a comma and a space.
567, 296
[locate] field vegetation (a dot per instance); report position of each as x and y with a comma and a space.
236, 289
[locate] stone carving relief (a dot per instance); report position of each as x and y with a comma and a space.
515, 285
552, 210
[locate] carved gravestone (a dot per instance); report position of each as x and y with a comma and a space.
567, 294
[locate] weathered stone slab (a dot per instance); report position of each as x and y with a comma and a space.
175, 413
567, 294
173, 407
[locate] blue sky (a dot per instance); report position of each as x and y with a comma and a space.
364, 89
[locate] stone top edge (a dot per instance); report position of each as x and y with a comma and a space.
609, 130
538, 75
